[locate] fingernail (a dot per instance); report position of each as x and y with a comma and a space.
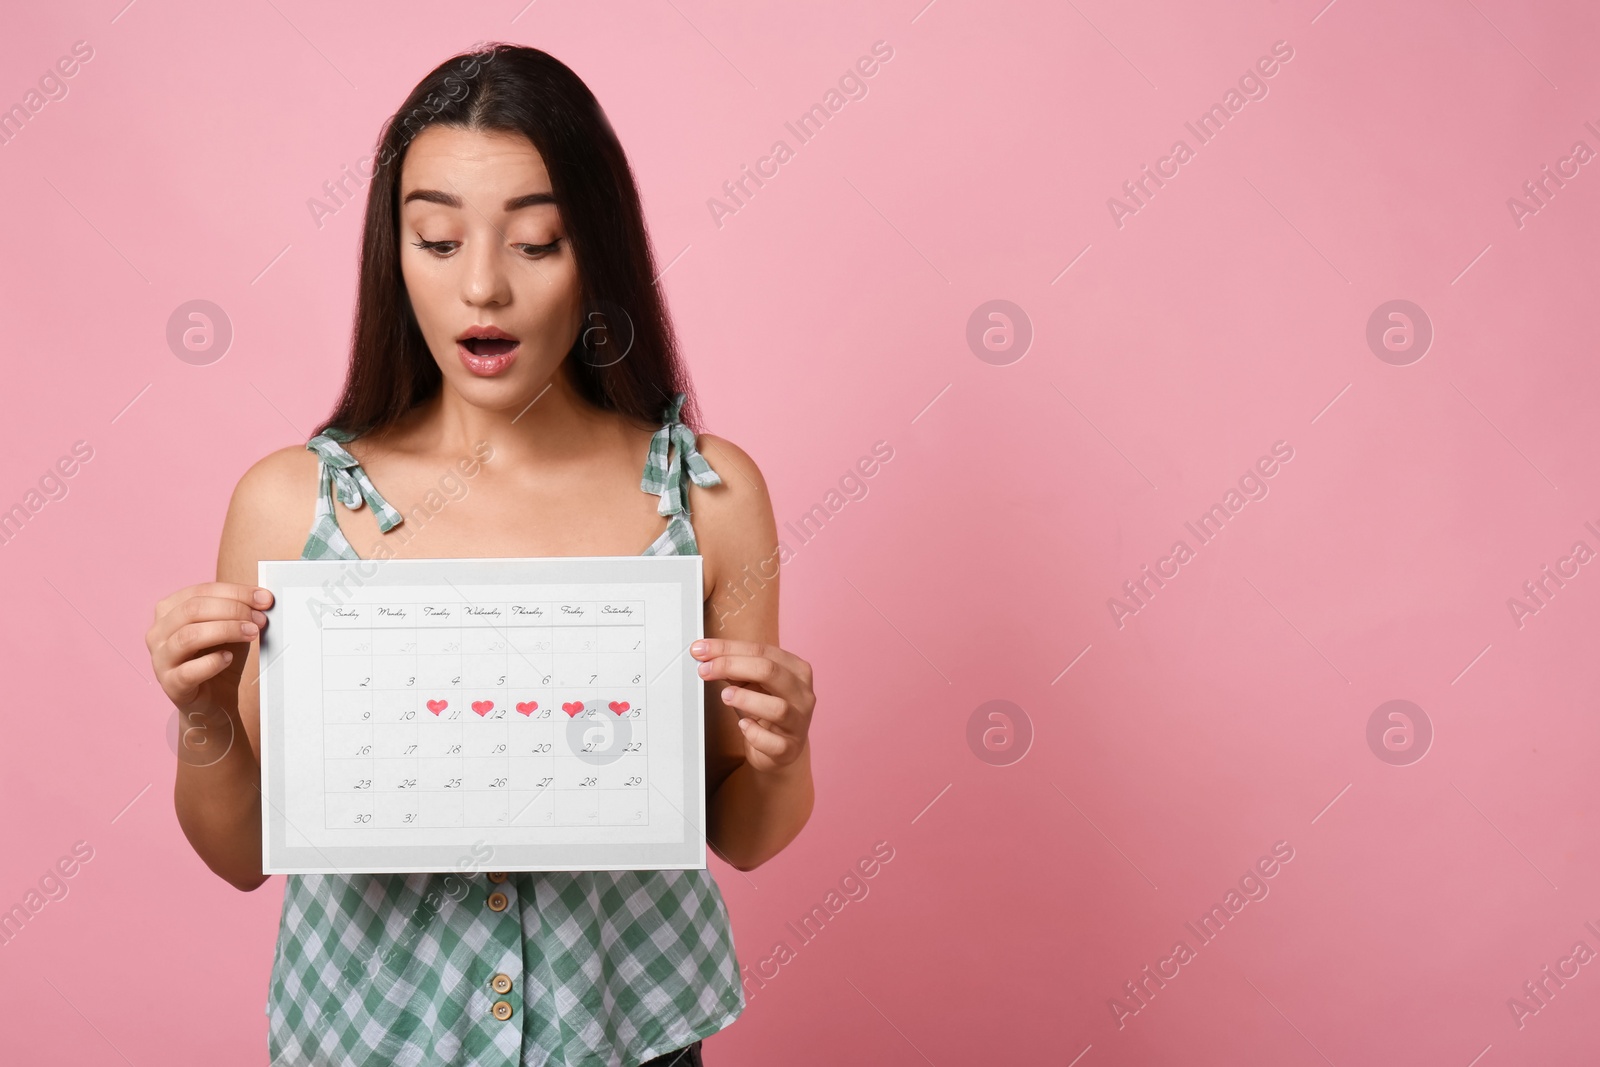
263, 597
260, 617
705, 668
249, 629
697, 648
227, 657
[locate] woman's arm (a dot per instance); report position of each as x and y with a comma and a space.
218, 800
758, 696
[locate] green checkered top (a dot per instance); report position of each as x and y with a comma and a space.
607, 968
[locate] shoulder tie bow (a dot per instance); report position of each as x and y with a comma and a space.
350, 481
672, 452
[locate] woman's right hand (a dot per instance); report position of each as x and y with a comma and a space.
199, 645
189, 627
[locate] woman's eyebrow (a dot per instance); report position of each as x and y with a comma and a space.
435, 196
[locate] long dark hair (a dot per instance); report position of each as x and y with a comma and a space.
511, 88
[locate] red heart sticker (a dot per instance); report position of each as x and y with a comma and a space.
528, 707
436, 706
618, 706
572, 707
483, 707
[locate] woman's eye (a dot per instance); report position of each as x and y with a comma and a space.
540, 250
446, 248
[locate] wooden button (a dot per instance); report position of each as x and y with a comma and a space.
497, 877
498, 901
501, 1010
500, 983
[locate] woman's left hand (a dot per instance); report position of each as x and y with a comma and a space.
772, 697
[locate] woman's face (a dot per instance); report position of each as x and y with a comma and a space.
483, 253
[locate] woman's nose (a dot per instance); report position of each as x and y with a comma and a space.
484, 282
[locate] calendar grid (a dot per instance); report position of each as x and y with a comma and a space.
485, 713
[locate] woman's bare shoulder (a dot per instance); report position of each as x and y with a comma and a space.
733, 521
270, 513
743, 493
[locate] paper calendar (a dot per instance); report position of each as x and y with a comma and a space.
414, 711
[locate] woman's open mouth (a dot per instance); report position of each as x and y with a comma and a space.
487, 351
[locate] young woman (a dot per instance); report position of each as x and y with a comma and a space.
511, 346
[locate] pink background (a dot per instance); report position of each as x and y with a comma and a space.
831, 312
